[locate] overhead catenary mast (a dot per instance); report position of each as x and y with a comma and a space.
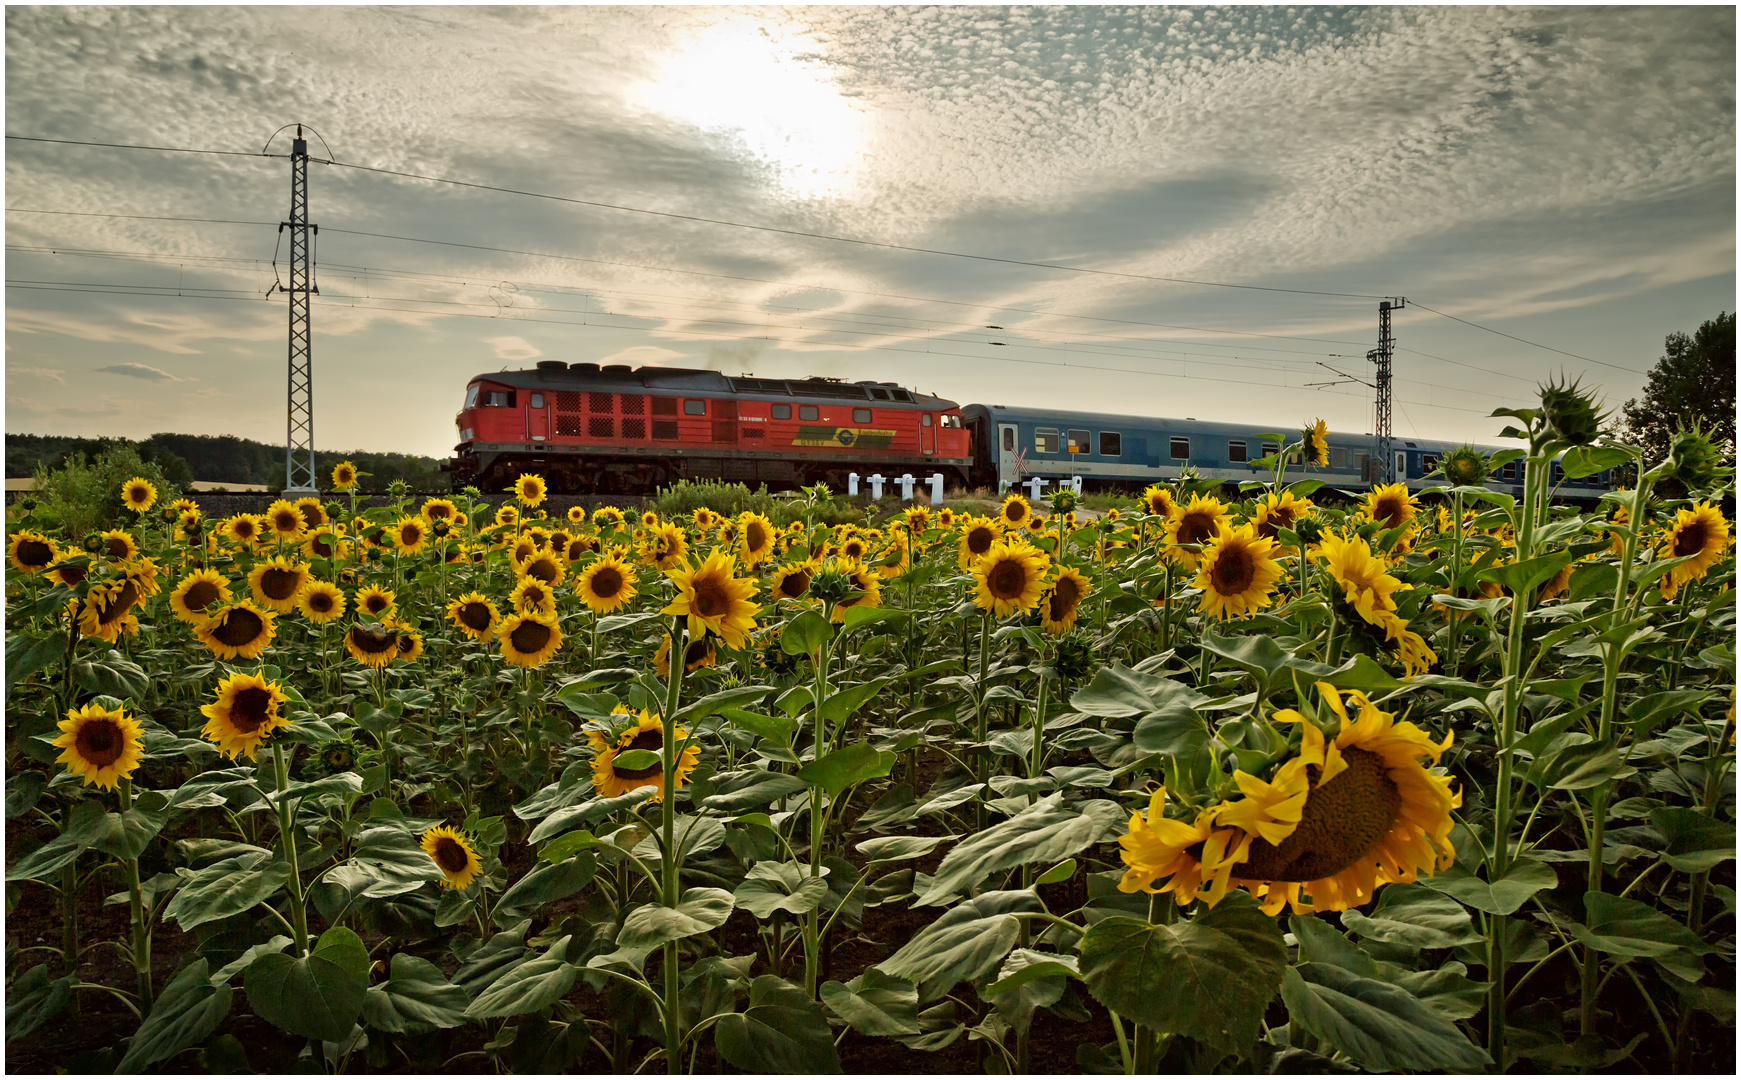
1381, 403
299, 478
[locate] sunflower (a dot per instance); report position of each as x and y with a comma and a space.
244, 715
283, 522
313, 514
529, 489
977, 536
244, 530
704, 518
532, 595
69, 574
895, 557
475, 615
440, 510
376, 602
917, 519
119, 545
454, 856
608, 517
1313, 445
1409, 649
107, 610
1372, 814
409, 534
326, 542
237, 631
607, 584
1158, 500
277, 582
579, 546
31, 552
854, 547
756, 540
1278, 510
867, 588
410, 644
529, 638
196, 592
696, 655
321, 602
507, 515
1184, 856
1390, 505
344, 476
373, 644
792, 580
1359, 574
1009, 577
1198, 522
715, 599
577, 515
1015, 511
139, 494
1701, 533
1059, 605
646, 733
665, 546
544, 566
101, 745
1237, 574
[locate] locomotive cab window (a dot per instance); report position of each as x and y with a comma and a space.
1236, 451
471, 397
1181, 449
1111, 444
695, 407
808, 412
537, 401
924, 419
950, 420
1045, 440
1076, 441
501, 399
861, 416
782, 412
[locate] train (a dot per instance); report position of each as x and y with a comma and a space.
614, 429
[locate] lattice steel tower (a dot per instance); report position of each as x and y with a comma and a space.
299, 478
1381, 405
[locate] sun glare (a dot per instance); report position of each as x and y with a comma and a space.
766, 87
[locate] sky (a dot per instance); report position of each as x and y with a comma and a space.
1224, 194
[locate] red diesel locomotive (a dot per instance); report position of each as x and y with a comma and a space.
621, 430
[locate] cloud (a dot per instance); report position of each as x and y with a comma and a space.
53, 375
645, 355
140, 371
514, 349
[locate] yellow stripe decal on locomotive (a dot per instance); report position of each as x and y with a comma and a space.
862, 438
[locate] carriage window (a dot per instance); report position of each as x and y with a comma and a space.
1510, 471
537, 401
1076, 442
471, 397
782, 412
1270, 449
1338, 457
1111, 444
1009, 439
1181, 449
861, 416
1559, 473
1428, 463
1045, 440
808, 412
503, 399
695, 407
1236, 451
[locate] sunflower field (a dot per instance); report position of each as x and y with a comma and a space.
1276, 779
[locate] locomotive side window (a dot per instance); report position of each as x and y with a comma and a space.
1045, 440
1181, 449
1076, 441
1236, 451
502, 399
471, 397
537, 401
695, 407
809, 412
861, 416
1111, 444
782, 412
924, 419
1009, 439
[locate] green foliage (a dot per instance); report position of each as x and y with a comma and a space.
83, 494
226, 459
1693, 382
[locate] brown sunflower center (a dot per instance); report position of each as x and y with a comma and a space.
1341, 822
651, 739
755, 536
475, 616
1391, 511
451, 855
1066, 594
1280, 517
1015, 511
139, 495
436, 512
240, 626
694, 653
117, 548
711, 599
1234, 571
1691, 539
118, 604
530, 637
410, 535
607, 583
72, 575
287, 521
320, 602
312, 515
979, 540
200, 595
793, 585
1196, 527
280, 584
101, 741
378, 640
251, 709
375, 603
34, 553
533, 597
1007, 580
543, 569
852, 549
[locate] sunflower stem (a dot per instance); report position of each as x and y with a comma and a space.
819, 747
1451, 631
287, 833
136, 902
69, 907
668, 866
979, 716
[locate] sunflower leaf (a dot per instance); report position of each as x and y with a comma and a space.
1414, 915
780, 886
227, 887
416, 999
1381, 1026
84, 824
528, 986
782, 1031
550, 881
847, 766
806, 633
967, 942
186, 1011
317, 996
699, 911
1522, 880
34, 1000
1046, 832
875, 1004
636, 760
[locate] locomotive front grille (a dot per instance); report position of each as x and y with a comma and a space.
634, 428
599, 402
601, 427
568, 425
632, 404
568, 401
664, 429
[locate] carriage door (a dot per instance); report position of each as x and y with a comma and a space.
537, 419
1008, 472
1402, 467
927, 433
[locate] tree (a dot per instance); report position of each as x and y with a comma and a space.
1694, 381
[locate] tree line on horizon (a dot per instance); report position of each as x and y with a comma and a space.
224, 459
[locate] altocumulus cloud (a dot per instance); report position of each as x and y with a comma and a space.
140, 371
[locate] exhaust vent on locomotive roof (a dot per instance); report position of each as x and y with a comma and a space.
618, 369
552, 365
584, 369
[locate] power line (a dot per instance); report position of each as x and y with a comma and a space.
137, 146
1526, 341
138, 217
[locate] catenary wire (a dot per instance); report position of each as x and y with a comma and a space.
1525, 341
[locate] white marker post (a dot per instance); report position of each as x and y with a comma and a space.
936, 482
1034, 485
1076, 484
852, 484
876, 483
906, 483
